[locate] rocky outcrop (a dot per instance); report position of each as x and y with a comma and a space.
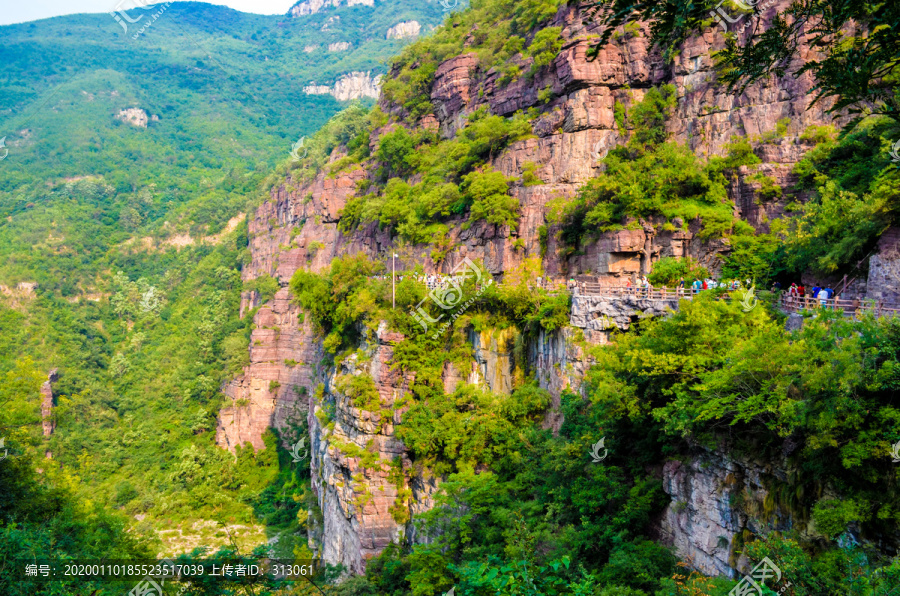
883, 282
48, 424
404, 30
367, 487
313, 6
273, 390
363, 505
136, 117
703, 522
357, 85
295, 230
313, 89
599, 316
339, 46
494, 362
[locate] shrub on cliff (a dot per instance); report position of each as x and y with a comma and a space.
856, 199
449, 185
648, 117
666, 180
394, 151
265, 285
348, 128
490, 198
668, 270
341, 299
469, 427
651, 176
545, 46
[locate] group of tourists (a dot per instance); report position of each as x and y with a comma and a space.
798, 292
698, 285
642, 284
432, 281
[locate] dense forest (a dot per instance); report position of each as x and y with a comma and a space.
130, 238
131, 259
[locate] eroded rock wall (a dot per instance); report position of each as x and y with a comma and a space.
48, 424
704, 522
363, 506
353, 451
883, 282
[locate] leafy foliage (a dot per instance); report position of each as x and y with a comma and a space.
855, 201
669, 270
450, 181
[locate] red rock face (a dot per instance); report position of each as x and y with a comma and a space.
297, 229
273, 389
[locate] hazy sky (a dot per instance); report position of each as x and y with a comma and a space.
17, 11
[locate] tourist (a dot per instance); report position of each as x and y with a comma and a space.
815, 291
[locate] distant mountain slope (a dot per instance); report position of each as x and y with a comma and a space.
227, 87
140, 155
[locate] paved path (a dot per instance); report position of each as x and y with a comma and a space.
787, 302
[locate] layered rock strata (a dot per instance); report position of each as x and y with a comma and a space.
308, 7
364, 507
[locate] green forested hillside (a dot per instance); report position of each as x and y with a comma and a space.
227, 88
144, 331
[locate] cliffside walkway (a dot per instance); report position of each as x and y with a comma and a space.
663, 297
787, 302
667, 294
849, 307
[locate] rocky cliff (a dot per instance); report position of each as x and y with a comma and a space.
361, 472
704, 524
313, 6
884, 270
354, 85
404, 30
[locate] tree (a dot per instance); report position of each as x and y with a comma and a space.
858, 42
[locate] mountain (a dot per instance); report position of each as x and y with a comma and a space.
141, 156
453, 443
220, 82
422, 352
